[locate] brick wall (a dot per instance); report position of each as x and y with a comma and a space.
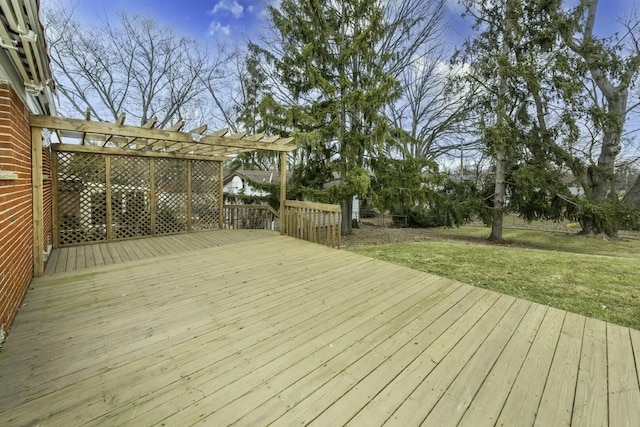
16, 229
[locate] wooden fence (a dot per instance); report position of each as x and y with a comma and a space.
314, 222
251, 217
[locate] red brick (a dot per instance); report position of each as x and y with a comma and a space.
16, 229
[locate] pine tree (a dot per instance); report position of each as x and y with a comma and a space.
325, 55
514, 59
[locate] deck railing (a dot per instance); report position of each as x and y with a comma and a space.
315, 222
251, 217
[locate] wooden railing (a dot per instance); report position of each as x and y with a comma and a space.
251, 217
315, 222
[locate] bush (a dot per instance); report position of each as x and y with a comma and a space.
606, 217
417, 218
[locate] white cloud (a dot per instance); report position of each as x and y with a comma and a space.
231, 6
216, 27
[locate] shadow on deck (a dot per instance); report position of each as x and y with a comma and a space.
264, 329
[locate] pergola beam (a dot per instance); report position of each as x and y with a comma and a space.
166, 142
177, 127
79, 125
95, 149
281, 144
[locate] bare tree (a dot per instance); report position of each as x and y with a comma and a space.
432, 113
414, 30
131, 65
223, 85
428, 113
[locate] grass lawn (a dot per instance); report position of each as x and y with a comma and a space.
594, 277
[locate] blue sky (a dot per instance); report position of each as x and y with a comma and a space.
218, 19
608, 15
239, 20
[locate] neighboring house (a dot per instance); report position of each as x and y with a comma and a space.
239, 181
25, 89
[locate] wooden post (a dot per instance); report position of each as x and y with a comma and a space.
38, 203
283, 190
221, 195
339, 229
107, 195
189, 196
152, 195
54, 199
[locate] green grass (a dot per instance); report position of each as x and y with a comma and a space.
594, 277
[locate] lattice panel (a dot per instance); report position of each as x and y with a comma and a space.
171, 196
205, 188
82, 206
130, 191
148, 196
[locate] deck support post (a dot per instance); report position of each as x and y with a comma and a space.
283, 190
189, 198
108, 195
221, 194
38, 202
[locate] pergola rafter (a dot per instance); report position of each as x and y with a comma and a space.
146, 139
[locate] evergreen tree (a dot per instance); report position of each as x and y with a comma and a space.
514, 58
325, 56
611, 64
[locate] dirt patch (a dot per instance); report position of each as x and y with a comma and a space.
379, 231
370, 234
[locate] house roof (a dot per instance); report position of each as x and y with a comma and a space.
254, 175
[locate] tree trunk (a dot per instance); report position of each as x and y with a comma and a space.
499, 194
602, 177
633, 195
500, 156
587, 226
599, 179
347, 213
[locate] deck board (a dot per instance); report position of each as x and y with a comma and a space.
327, 365
381, 367
590, 407
521, 405
225, 327
484, 408
80, 258
108, 253
429, 353
556, 404
454, 403
425, 397
624, 395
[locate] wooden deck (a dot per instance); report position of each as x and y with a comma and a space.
273, 330
107, 253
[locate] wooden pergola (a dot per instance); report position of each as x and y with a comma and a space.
120, 139
117, 139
